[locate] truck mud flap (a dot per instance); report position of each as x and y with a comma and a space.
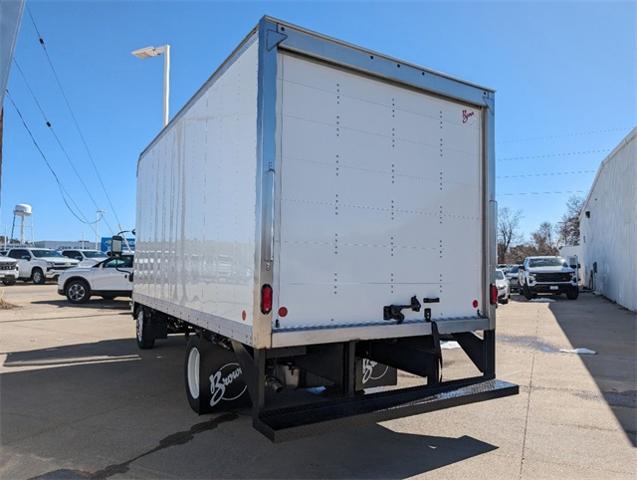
299, 421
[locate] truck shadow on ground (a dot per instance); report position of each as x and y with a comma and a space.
101, 409
610, 330
118, 304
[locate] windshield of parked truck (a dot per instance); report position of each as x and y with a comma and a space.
46, 253
93, 254
547, 262
499, 275
514, 269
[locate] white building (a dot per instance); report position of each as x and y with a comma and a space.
608, 226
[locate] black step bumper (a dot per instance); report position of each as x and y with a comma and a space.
293, 422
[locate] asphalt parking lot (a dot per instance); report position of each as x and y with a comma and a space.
78, 400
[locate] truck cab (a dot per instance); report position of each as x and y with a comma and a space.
547, 274
40, 264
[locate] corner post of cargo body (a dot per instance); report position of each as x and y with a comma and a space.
490, 206
268, 38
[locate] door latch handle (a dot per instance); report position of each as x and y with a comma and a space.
393, 312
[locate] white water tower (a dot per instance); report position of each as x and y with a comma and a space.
23, 212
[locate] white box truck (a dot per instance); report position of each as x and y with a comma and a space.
315, 218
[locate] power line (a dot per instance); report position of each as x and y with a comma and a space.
546, 174
564, 135
75, 122
541, 193
61, 188
59, 142
551, 155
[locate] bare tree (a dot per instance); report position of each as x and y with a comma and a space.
568, 227
544, 239
508, 226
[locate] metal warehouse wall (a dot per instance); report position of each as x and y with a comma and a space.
608, 226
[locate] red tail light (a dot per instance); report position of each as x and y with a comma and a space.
266, 299
494, 295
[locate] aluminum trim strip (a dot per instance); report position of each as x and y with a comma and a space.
266, 159
231, 329
356, 58
333, 335
326, 38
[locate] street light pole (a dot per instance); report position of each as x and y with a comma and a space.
164, 50
98, 216
166, 82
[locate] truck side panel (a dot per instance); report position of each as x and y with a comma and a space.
196, 205
380, 199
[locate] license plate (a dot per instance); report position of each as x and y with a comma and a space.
554, 287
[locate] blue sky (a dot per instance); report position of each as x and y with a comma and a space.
565, 75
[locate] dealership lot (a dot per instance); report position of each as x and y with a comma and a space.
79, 400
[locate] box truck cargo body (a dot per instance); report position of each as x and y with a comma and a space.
318, 215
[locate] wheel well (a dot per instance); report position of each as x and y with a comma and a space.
69, 280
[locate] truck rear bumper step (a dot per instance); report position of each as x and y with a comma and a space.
294, 422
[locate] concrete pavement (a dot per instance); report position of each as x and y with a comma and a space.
79, 400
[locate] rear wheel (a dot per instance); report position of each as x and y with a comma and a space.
78, 291
37, 276
144, 330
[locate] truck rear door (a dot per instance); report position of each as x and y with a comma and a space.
380, 198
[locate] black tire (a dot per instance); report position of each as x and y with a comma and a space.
9, 281
213, 378
504, 301
77, 291
37, 276
526, 291
144, 330
572, 293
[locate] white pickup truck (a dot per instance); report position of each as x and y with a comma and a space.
87, 258
547, 275
8, 270
40, 264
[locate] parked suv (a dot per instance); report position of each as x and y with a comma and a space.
40, 264
108, 279
8, 270
87, 258
547, 275
512, 276
502, 284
